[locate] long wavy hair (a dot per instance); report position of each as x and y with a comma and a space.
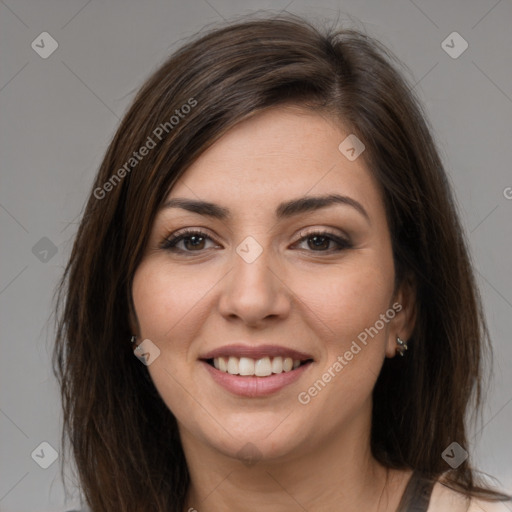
124, 439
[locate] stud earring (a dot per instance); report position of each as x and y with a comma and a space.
402, 346
133, 339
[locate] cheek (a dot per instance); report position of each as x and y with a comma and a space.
165, 301
347, 304
349, 298
167, 305
354, 351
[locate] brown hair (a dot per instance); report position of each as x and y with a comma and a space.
124, 439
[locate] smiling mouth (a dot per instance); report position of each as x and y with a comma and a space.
263, 367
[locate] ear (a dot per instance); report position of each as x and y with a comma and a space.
404, 305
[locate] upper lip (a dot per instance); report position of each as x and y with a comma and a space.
255, 352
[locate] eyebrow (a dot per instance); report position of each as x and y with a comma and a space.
284, 210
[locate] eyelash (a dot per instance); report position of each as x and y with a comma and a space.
171, 242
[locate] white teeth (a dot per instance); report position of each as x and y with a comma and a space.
232, 365
287, 364
247, 366
223, 364
262, 367
277, 364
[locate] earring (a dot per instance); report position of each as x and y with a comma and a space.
402, 346
133, 339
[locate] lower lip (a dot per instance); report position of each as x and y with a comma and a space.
252, 386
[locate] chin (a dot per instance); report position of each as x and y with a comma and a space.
253, 437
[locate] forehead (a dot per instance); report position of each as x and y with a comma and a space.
282, 152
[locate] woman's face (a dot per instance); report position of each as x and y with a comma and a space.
277, 274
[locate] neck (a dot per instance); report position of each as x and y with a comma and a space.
338, 474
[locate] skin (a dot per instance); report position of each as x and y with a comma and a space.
295, 295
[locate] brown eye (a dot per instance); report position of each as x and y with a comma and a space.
193, 242
189, 241
318, 242
323, 241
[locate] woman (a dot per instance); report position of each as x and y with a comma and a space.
272, 234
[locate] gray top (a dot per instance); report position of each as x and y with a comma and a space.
416, 497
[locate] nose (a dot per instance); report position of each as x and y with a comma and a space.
255, 292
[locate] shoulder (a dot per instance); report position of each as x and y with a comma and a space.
489, 506
445, 499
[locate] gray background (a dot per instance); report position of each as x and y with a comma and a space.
59, 113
